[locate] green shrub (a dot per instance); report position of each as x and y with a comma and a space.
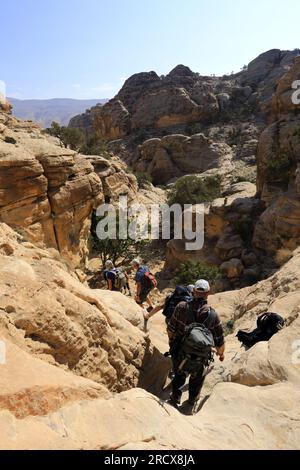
195, 190
228, 327
143, 178
190, 271
69, 137
114, 249
280, 167
95, 146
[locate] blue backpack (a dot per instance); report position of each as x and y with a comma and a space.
180, 294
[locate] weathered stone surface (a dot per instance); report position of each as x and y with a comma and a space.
46, 311
177, 155
278, 158
49, 192
232, 268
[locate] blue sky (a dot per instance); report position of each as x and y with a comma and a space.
87, 48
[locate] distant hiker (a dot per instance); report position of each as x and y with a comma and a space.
145, 282
109, 274
180, 294
194, 329
116, 278
267, 325
123, 280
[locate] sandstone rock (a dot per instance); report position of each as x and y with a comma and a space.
264, 73
229, 246
249, 258
258, 409
5, 106
115, 180
46, 191
232, 268
49, 192
31, 387
112, 120
177, 155
48, 312
278, 158
282, 99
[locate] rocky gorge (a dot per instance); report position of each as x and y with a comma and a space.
78, 370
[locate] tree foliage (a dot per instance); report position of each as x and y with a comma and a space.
195, 190
190, 271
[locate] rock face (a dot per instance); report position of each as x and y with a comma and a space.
278, 160
116, 181
5, 106
147, 101
250, 401
265, 71
228, 223
46, 311
49, 192
177, 155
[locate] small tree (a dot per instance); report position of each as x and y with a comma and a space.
114, 249
195, 190
94, 145
143, 178
190, 271
69, 137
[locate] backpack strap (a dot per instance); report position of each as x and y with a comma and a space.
191, 315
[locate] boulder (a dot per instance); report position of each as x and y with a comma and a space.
232, 268
177, 155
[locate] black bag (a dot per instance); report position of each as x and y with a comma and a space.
180, 294
267, 325
195, 350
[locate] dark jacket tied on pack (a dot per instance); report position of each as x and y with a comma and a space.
267, 325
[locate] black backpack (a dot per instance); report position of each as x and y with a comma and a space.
267, 325
195, 349
180, 294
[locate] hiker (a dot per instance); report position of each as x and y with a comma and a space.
123, 279
180, 294
145, 282
191, 353
109, 274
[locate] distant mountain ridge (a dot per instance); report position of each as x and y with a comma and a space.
56, 109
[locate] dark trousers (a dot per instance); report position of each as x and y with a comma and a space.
195, 383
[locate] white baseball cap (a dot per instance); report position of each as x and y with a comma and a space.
202, 286
135, 262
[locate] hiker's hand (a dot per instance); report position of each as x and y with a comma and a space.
221, 357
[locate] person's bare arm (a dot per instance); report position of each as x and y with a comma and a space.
154, 311
110, 285
220, 352
138, 290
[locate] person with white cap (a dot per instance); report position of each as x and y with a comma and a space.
189, 313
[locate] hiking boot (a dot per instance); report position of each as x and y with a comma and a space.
175, 402
188, 407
